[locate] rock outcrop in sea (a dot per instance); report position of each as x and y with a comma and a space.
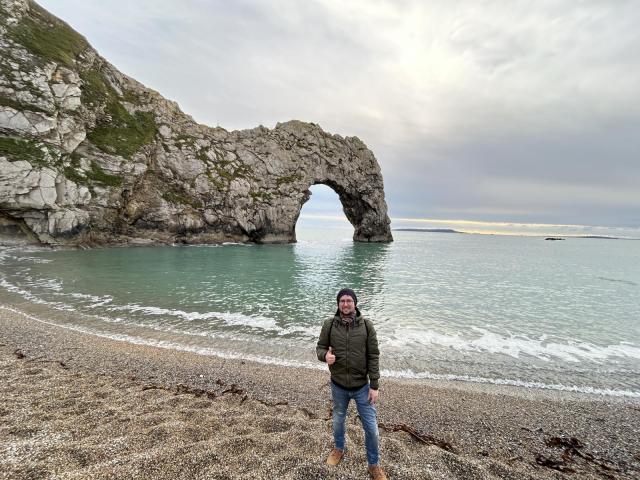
90, 156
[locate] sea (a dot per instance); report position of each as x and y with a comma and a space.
507, 309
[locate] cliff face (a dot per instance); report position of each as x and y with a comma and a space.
90, 156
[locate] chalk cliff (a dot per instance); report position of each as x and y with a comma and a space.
91, 156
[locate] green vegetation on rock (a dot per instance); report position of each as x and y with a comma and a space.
122, 133
181, 199
100, 176
130, 97
184, 139
229, 171
243, 171
287, 179
125, 134
260, 196
227, 175
18, 149
17, 105
94, 90
94, 176
74, 173
75, 176
202, 156
217, 181
48, 38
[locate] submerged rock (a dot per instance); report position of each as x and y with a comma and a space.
91, 156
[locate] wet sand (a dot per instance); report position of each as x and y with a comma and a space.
74, 405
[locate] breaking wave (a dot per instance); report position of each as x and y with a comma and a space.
515, 346
404, 374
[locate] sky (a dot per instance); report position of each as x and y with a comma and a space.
488, 111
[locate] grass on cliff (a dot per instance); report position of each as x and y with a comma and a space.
72, 171
121, 133
288, 179
20, 106
47, 37
73, 175
94, 176
50, 39
15, 149
100, 176
181, 199
125, 134
259, 196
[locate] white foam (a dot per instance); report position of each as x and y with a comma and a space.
409, 374
20, 251
229, 318
259, 322
255, 321
97, 300
177, 346
27, 259
32, 298
513, 345
47, 283
135, 308
309, 331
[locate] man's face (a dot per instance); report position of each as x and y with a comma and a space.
346, 305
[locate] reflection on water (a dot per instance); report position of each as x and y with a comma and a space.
321, 271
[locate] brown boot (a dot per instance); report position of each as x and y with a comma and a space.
377, 473
334, 457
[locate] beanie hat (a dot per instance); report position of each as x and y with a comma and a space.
347, 291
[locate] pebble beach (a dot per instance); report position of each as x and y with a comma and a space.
80, 406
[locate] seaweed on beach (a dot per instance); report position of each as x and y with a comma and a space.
425, 438
560, 465
573, 448
232, 389
20, 355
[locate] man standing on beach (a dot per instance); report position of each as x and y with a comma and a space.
349, 345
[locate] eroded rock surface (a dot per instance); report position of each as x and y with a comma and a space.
90, 156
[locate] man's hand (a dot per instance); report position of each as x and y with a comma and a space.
373, 396
330, 357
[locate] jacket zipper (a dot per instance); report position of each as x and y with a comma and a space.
348, 373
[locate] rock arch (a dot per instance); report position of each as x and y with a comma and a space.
296, 155
90, 156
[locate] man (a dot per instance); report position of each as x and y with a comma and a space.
349, 345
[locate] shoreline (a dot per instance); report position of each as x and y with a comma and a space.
497, 431
509, 387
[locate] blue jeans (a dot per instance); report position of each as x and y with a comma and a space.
367, 413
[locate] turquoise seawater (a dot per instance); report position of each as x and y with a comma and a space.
498, 309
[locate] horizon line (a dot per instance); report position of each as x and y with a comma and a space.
474, 222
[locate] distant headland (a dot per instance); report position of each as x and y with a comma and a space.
427, 230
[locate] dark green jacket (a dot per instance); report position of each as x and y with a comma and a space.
356, 351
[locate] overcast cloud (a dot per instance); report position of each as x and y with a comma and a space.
495, 111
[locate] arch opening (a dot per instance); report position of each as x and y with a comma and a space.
323, 211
